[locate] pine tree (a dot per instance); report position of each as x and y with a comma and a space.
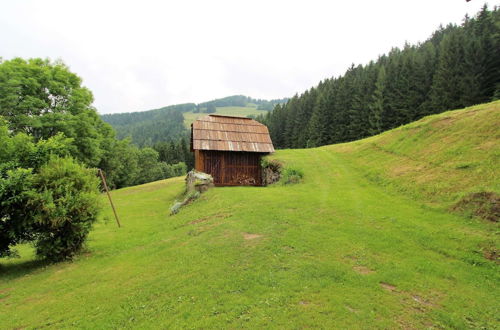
321, 126
291, 118
449, 85
456, 67
377, 105
426, 63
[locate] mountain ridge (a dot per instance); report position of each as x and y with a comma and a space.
169, 123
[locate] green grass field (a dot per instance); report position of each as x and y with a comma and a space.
190, 117
366, 241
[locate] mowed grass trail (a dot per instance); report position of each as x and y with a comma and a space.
336, 251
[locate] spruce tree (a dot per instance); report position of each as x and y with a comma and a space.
449, 84
321, 126
377, 105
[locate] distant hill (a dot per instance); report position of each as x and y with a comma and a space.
240, 111
243, 101
169, 123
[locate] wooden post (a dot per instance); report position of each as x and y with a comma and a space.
109, 196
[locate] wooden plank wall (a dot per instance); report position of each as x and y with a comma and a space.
198, 161
231, 168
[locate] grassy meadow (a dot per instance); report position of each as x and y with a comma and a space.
365, 241
250, 109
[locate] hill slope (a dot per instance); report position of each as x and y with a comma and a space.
438, 159
342, 249
169, 123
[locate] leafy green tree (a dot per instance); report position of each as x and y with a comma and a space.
149, 167
120, 163
43, 98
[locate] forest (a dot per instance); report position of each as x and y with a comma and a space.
166, 124
458, 66
146, 128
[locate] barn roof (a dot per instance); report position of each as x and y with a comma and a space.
226, 133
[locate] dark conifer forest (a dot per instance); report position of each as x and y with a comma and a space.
146, 128
166, 124
458, 66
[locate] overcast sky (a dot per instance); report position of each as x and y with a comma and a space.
139, 55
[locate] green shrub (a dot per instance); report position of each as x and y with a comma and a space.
65, 201
276, 171
54, 207
179, 169
45, 196
291, 175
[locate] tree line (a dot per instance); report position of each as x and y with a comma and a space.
149, 127
458, 66
41, 99
241, 101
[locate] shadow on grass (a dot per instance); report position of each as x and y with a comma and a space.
15, 270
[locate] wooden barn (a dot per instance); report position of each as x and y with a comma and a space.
230, 149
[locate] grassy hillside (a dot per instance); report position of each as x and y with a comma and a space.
358, 244
439, 159
190, 117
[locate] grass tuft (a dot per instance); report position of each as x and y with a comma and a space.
291, 176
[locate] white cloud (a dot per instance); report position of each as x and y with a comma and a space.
138, 55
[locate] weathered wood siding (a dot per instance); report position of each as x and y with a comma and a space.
198, 160
231, 168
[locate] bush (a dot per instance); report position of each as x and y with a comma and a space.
291, 175
179, 169
275, 171
66, 204
53, 207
